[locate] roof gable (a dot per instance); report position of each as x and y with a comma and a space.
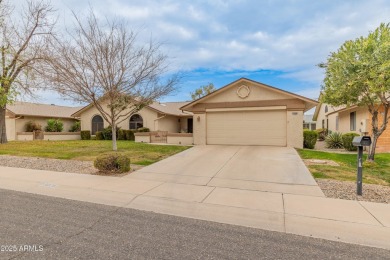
244, 89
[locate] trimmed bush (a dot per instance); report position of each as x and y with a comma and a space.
130, 135
121, 134
99, 135
347, 141
309, 139
107, 133
112, 163
32, 126
54, 125
76, 127
321, 134
334, 140
143, 129
85, 135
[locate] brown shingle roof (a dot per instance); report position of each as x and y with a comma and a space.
42, 110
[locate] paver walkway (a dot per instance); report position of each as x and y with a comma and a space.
228, 184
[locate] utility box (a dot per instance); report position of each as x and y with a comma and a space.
361, 141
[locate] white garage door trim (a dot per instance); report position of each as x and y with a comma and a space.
247, 127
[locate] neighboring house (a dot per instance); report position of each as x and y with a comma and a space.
350, 119
308, 122
19, 113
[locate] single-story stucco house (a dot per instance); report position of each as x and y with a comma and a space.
244, 112
19, 113
351, 119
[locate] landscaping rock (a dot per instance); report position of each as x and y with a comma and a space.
347, 190
57, 165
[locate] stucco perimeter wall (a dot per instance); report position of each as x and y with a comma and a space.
180, 138
142, 137
62, 136
199, 129
295, 129
24, 136
10, 128
149, 116
20, 125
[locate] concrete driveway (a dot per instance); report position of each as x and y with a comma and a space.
258, 168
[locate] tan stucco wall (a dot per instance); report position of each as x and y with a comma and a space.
295, 129
332, 122
169, 123
361, 119
183, 140
256, 93
10, 128
25, 136
200, 129
320, 117
61, 136
21, 123
149, 117
142, 139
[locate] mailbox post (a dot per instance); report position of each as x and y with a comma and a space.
360, 141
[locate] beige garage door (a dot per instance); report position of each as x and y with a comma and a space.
265, 127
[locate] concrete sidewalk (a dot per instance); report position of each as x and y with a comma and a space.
197, 197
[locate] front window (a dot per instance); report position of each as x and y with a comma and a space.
97, 124
352, 121
326, 109
337, 123
136, 122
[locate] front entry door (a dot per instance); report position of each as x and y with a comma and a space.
190, 124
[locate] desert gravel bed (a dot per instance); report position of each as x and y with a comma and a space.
57, 165
347, 190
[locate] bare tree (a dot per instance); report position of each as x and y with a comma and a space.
103, 65
21, 48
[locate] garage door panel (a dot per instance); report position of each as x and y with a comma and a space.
247, 127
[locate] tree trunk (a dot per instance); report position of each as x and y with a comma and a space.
114, 145
371, 155
3, 133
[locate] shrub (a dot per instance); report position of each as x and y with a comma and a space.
33, 126
99, 135
76, 127
130, 135
334, 140
347, 141
54, 125
112, 163
107, 133
309, 139
121, 134
321, 134
143, 129
85, 135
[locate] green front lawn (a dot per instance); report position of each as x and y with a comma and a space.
378, 173
139, 153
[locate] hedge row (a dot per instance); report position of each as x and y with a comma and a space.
106, 134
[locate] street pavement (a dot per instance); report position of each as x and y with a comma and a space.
274, 192
56, 228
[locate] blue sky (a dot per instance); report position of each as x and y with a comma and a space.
275, 42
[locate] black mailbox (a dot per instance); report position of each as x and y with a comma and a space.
361, 141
